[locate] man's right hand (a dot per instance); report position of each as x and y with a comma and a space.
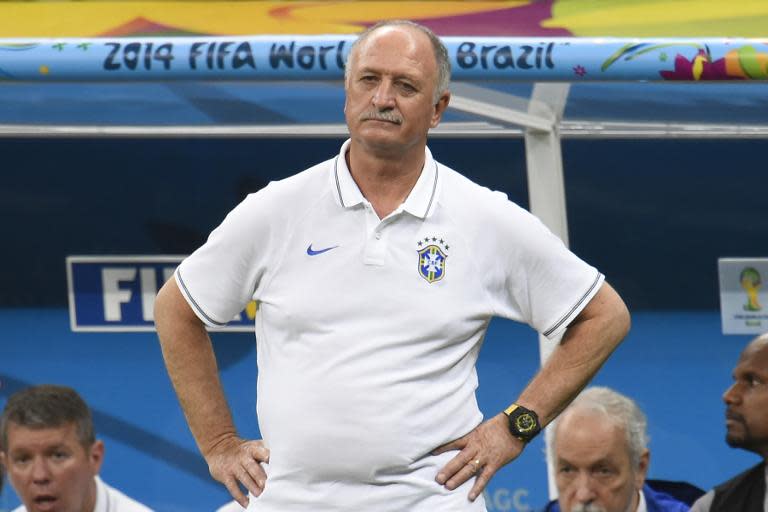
234, 461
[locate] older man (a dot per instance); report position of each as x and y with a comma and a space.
746, 422
377, 273
51, 454
600, 454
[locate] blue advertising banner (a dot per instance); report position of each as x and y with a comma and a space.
117, 293
300, 57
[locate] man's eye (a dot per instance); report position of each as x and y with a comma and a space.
603, 471
59, 455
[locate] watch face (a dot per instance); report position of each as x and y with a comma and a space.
525, 423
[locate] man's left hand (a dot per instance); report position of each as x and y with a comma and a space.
482, 453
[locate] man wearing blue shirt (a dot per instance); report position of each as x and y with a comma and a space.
600, 452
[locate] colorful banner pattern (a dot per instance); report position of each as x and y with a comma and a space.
323, 58
539, 18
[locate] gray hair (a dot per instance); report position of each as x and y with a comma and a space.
441, 52
619, 409
47, 406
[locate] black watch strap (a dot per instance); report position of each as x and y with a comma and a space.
523, 423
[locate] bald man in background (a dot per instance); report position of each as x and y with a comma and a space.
746, 423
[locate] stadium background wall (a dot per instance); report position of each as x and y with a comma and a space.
653, 215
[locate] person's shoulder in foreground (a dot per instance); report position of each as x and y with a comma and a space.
601, 457
52, 456
744, 491
115, 500
746, 423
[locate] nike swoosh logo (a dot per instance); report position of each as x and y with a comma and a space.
313, 252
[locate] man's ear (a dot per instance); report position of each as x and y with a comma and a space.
440, 106
96, 456
642, 469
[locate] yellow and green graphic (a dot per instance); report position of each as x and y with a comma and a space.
740, 63
751, 282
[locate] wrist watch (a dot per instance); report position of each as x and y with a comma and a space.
523, 423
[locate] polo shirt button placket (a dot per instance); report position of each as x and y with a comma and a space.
375, 251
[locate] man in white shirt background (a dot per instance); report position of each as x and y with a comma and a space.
51, 454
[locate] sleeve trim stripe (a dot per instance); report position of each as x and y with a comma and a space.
576, 306
198, 310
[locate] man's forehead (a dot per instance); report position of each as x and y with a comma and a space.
396, 33
401, 38
18, 434
756, 354
586, 444
584, 428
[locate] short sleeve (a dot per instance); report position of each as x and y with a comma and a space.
536, 278
221, 277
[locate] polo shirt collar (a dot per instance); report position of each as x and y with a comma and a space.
421, 201
642, 506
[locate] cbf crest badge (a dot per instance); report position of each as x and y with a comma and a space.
432, 258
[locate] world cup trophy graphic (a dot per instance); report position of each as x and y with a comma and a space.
751, 282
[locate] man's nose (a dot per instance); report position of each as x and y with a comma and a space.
384, 96
41, 473
584, 491
731, 395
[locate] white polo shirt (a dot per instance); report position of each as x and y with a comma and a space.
368, 330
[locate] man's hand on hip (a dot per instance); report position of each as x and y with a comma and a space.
482, 453
234, 461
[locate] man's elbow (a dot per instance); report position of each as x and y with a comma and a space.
618, 319
623, 320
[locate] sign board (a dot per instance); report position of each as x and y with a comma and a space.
743, 301
117, 293
307, 57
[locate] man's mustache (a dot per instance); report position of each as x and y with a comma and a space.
387, 116
730, 415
